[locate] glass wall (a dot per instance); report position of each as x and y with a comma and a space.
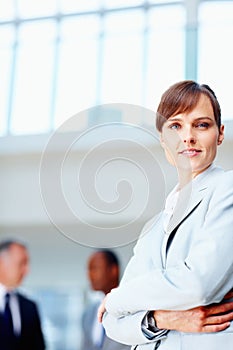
215, 54
61, 57
60, 312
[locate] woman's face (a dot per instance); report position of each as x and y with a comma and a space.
190, 139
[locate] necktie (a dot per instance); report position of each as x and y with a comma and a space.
8, 322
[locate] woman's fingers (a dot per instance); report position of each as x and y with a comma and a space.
216, 309
212, 318
229, 295
219, 319
215, 328
101, 310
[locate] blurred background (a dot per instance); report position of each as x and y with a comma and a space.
62, 58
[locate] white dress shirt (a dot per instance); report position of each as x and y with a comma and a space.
97, 333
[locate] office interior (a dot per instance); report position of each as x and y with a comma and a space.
81, 164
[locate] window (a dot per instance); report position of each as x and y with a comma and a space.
31, 104
30, 9
216, 51
7, 38
122, 59
77, 67
165, 61
59, 58
7, 10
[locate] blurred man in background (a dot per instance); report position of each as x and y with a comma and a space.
103, 274
20, 327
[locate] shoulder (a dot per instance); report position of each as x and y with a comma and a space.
218, 181
223, 181
228, 175
220, 191
25, 301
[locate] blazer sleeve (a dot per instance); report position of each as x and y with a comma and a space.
127, 329
204, 277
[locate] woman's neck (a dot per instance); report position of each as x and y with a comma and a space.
185, 176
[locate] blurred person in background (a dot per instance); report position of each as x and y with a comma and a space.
103, 274
20, 327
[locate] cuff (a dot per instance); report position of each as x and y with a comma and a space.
149, 328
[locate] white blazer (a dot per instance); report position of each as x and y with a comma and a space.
197, 269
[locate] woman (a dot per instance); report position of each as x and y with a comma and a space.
176, 288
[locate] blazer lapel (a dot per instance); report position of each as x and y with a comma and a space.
187, 202
190, 196
189, 199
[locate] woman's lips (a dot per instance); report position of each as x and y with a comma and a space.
190, 152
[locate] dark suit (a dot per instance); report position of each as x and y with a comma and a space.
88, 320
31, 337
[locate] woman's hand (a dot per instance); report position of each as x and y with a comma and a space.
211, 318
102, 309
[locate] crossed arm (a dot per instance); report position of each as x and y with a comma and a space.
190, 283
208, 319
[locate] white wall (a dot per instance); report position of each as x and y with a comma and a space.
56, 259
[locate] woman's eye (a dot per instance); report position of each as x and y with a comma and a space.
203, 125
174, 126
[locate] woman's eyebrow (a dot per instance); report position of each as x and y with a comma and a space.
181, 118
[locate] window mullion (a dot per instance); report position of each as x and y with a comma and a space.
191, 39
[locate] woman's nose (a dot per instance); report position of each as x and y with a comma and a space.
190, 140
189, 137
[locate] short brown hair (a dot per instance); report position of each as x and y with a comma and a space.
183, 97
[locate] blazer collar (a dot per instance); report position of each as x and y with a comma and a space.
192, 195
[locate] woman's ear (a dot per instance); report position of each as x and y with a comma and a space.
221, 135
